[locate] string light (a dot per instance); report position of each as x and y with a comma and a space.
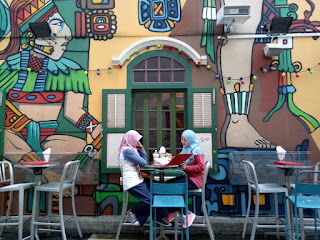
271, 67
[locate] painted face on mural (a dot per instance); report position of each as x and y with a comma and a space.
62, 36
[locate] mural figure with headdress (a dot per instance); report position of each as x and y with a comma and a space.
40, 82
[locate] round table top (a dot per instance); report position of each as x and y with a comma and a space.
290, 166
51, 164
159, 166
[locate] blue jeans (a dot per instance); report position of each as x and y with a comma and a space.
142, 209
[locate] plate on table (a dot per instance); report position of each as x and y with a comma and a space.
35, 163
288, 163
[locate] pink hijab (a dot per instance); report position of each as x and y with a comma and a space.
129, 140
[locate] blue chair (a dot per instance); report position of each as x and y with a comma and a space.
305, 196
170, 195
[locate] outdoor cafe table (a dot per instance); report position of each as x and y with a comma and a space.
152, 168
289, 173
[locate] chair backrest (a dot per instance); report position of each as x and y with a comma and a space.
205, 176
250, 173
305, 187
315, 176
6, 172
157, 188
70, 171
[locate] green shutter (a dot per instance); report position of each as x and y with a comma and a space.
202, 119
116, 107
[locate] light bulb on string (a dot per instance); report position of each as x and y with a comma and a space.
208, 67
189, 58
229, 79
297, 75
109, 69
263, 70
85, 72
310, 71
98, 71
254, 77
283, 74
242, 81
217, 76
137, 51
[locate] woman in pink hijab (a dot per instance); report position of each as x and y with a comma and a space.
132, 156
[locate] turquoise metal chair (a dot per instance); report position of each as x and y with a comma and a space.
168, 195
305, 196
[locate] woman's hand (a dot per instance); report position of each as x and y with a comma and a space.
139, 145
183, 165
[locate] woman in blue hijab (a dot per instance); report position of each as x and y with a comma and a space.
193, 167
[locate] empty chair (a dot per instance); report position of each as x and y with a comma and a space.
168, 195
260, 188
305, 196
68, 179
202, 191
6, 177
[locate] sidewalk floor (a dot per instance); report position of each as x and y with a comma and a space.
105, 227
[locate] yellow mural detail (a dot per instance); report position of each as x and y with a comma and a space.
262, 199
228, 199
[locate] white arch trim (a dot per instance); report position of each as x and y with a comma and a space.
154, 41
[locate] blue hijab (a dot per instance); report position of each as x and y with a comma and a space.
193, 144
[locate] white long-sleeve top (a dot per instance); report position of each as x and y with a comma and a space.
130, 164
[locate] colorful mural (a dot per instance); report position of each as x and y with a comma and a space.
54, 85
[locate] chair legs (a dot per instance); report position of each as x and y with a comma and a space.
8, 212
63, 230
255, 220
247, 215
75, 214
276, 213
206, 218
21, 202
124, 211
35, 215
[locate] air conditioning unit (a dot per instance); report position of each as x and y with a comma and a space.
272, 50
233, 14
